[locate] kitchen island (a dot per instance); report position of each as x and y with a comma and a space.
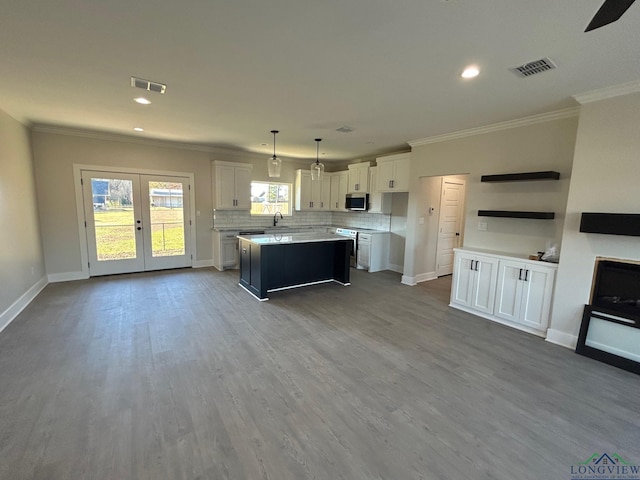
269, 263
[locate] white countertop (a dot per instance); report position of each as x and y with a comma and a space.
275, 239
505, 255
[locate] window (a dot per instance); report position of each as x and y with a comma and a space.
267, 198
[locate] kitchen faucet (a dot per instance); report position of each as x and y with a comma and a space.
275, 218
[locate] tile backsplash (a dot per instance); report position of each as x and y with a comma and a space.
233, 218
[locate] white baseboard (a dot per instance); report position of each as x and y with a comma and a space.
423, 277
406, 280
561, 338
25, 299
67, 277
203, 263
396, 268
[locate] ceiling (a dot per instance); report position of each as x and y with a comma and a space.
390, 70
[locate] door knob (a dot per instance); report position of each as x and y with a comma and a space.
137, 221
139, 228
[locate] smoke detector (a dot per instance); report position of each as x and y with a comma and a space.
533, 68
148, 85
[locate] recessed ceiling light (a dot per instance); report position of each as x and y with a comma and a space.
138, 129
142, 101
470, 72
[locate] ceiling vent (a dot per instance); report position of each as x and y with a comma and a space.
533, 68
148, 85
344, 129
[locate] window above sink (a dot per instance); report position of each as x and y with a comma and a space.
269, 198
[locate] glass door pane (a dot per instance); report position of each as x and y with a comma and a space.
114, 222
166, 204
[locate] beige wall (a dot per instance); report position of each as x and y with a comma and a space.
542, 146
21, 259
55, 155
605, 178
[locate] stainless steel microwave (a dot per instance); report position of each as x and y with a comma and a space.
357, 201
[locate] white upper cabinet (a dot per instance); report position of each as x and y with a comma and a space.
378, 201
232, 185
313, 195
359, 177
393, 173
339, 189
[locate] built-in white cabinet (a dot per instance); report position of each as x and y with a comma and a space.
393, 173
359, 177
225, 250
312, 195
339, 190
378, 201
513, 291
232, 185
474, 281
523, 293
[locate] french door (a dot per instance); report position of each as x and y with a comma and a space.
135, 222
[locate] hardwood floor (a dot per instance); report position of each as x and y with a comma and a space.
183, 375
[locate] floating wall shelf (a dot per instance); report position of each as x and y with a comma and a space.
514, 214
611, 223
521, 177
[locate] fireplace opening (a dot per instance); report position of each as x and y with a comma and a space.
617, 287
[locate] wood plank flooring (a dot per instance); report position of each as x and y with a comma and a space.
183, 375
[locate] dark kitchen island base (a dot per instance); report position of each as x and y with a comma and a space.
268, 267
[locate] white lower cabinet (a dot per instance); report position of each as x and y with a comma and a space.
474, 282
508, 290
225, 250
523, 293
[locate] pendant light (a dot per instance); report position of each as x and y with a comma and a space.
274, 163
317, 168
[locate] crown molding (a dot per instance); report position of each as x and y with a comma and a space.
216, 152
495, 127
608, 92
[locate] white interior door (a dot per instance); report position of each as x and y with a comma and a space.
135, 222
449, 225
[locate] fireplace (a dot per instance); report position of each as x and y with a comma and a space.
616, 287
610, 330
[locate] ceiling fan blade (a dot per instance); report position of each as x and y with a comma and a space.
610, 11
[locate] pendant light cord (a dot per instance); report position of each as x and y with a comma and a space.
274, 142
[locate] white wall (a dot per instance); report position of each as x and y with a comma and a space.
22, 272
605, 178
540, 146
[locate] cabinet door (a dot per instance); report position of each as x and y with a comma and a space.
385, 176
401, 169
359, 179
509, 290
325, 193
243, 188
229, 253
364, 255
335, 192
536, 296
463, 277
303, 190
225, 187
484, 288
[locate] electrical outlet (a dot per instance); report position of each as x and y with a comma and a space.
482, 226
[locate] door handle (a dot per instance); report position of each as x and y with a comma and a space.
138, 228
526, 275
457, 234
520, 275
